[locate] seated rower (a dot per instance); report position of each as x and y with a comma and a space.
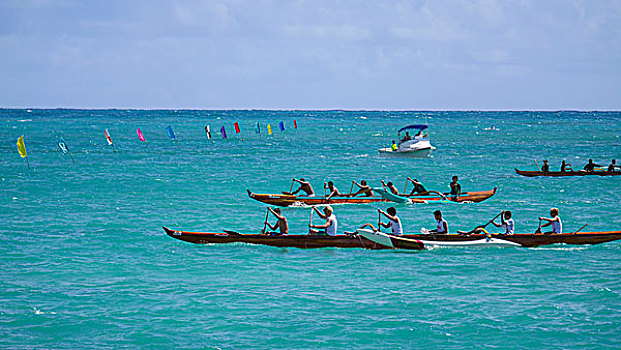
591, 166
545, 167
506, 222
455, 188
281, 224
391, 187
612, 166
418, 187
364, 189
441, 224
393, 221
334, 192
565, 166
555, 222
304, 186
329, 228
393, 147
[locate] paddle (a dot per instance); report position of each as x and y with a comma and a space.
310, 220
580, 229
379, 221
290, 189
537, 165
539, 228
351, 190
480, 227
267, 213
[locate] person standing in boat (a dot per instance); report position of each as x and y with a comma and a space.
418, 187
565, 166
281, 224
591, 166
364, 189
329, 228
555, 222
545, 167
334, 192
506, 222
393, 221
441, 224
391, 187
304, 186
612, 166
455, 188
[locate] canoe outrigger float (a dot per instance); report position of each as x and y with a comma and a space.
286, 200
414, 242
566, 173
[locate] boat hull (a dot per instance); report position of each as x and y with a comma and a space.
408, 241
284, 200
413, 153
565, 173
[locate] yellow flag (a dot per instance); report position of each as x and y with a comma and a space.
269, 129
21, 148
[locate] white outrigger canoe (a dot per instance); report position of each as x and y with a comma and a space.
418, 146
396, 242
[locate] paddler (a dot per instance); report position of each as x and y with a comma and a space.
329, 228
364, 189
281, 224
418, 187
393, 147
545, 167
591, 166
393, 221
441, 224
334, 192
455, 188
506, 222
612, 166
555, 222
565, 166
391, 187
304, 186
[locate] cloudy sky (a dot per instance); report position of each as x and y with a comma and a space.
315, 54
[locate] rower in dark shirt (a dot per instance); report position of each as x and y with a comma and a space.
418, 187
545, 167
612, 166
591, 166
565, 166
364, 189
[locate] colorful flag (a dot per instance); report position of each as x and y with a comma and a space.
282, 126
63, 146
237, 130
140, 135
269, 129
295, 124
258, 128
21, 147
208, 132
223, 131
108, 137
170, 132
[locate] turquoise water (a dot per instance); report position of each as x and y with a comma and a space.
85, 263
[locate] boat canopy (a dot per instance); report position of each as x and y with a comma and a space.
415, 126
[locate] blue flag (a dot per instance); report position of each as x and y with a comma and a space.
170, 132
258, 128
282, 126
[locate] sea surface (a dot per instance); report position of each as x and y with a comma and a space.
84, 262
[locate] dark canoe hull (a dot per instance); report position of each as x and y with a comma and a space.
294, 241
345, 241
530, 239
284, 200
566, 173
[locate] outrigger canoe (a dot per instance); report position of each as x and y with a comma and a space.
416, 241
285, 200
565, 173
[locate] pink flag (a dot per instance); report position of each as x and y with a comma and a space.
140, 135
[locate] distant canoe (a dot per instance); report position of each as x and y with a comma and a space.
565, 173
403, 242
285, 200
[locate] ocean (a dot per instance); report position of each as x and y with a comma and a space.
85, 262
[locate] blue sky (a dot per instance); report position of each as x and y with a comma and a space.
395, 55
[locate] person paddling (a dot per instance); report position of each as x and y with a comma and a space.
441, 224
612, 166
418, 187
591, 166
455, 188
555, 222
334, 192
391, 187
329, 228
304, 186
506, 222
393, 221
545, 167
565, 166
364, 189
281, 224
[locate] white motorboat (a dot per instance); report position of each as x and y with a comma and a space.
416, 146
